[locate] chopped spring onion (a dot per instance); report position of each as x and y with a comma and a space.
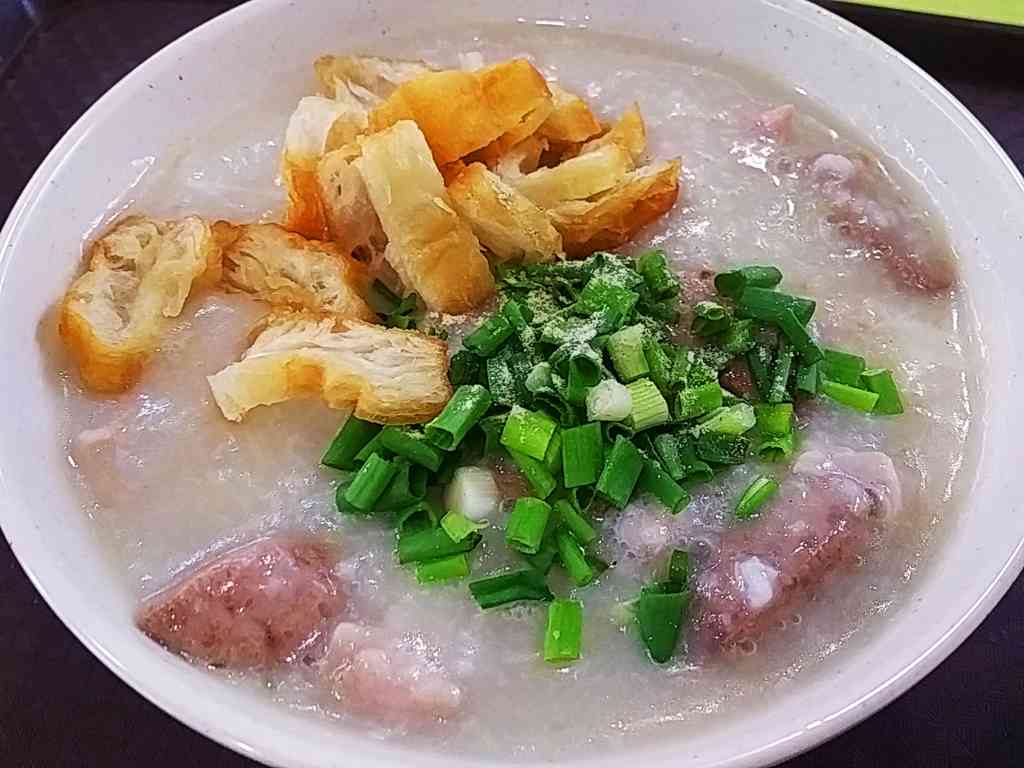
796, 332
881, 382
537, 475
571, 519
492, 427
709, 318
412, 447
842, 367
626, 348
760, 360
431, 544
469, 403
601, 292
370, 482
719, 448
728, 420
659, 365
545, 557
464, 368
527, 584
659, 614
738, 339
528, 432
766, 304
518, 317
539, 378
443, 569
620, 473
582, 455
679, 568
372, 447
649, 408
757, 493
807, 378
661, 283
777, 448
774, 420
680, 366
574, 559
693, 402
608, 401
526, 525
666, 446
732, 284
350, 440
584, 373
553, 456
695, 470
408, 486
853, 397
506, 377
564, 634
458, 526
489, 337
657, 482
778, 388
472, 493
419, 516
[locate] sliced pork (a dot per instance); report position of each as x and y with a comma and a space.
253, 606
823, 519
391, 678
867, 211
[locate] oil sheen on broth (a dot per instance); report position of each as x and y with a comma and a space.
168, 481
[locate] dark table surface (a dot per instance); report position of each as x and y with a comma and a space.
60, 707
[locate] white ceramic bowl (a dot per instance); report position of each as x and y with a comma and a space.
208, 74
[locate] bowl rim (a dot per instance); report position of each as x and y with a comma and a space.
797, 742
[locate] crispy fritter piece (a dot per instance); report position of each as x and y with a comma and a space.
379, 77
628, 132
505, 221
576, 179
500, 147
140, 273
571, 120
460, 112
433, 251
521, 159
386, 375
352, 223
315, 120
614, 217
288, 270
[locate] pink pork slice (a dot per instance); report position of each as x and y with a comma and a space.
821, 520
253, 606
869, 213
371, 672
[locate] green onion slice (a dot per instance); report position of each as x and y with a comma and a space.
620, 473
467, 406
564, 634
443, 569
756, 494
526, 525
350, 440
505, 588
882, 383
528, 432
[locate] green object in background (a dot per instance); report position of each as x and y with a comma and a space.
996, 11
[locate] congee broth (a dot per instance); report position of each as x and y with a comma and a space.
804, 501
